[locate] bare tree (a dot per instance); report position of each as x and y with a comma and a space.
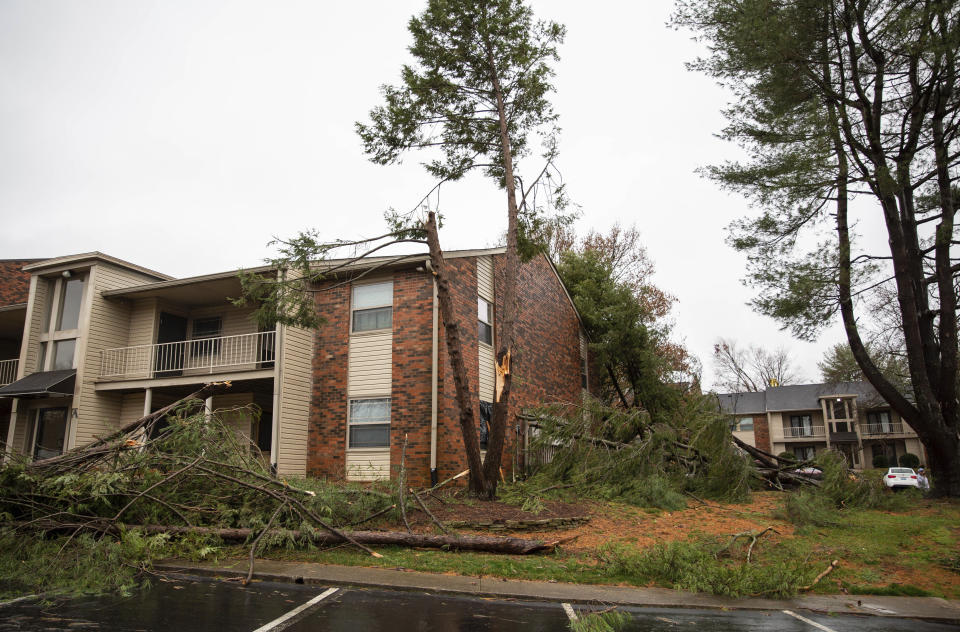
751, 368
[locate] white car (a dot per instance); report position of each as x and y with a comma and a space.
897, 477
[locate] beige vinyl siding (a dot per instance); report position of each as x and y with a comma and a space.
487, 375
368, 464
485, 277
31, 345
236, 411
488, 370
106, 325
131, 407
369, 374
370, 366
296, 383
20, 432
143, 322
234, 320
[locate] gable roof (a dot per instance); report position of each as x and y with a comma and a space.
798, 397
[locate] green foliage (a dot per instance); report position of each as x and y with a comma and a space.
694, 565
841, 490
609, 453
609, 621
465, 52
909, 460
789, 457
194, 472
623, 339
881, 461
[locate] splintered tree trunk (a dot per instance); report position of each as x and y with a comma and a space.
469, 408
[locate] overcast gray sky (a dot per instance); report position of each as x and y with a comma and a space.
182, 135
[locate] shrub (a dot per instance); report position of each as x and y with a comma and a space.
880, 461
788, 456
909, 460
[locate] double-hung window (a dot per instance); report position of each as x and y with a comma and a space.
369, 425
372, 307
485, 317
205, 336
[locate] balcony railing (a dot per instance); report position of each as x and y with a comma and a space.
894, 427
8, 371
794, 432
245, 352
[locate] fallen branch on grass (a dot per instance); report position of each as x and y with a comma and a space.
753, 537
829, 569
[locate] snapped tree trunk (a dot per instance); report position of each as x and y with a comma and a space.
467, 405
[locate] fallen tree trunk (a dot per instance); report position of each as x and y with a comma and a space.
488, 544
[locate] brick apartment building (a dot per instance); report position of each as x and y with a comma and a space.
97, 342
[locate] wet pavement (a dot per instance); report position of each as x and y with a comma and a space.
196, 605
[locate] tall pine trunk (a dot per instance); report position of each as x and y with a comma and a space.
507, 319
467, 405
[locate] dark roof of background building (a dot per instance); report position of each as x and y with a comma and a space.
797, 397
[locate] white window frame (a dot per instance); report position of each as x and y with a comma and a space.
489, 323
378, 422
354, 309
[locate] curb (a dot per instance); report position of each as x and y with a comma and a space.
933, 609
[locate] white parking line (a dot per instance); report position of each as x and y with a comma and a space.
806, 620
276, 623
570, 613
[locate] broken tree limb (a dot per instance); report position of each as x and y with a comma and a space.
256, 542
829, 569
512, 546
299, 505
109, 444
427, 511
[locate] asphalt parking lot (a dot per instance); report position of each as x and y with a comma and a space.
197, 605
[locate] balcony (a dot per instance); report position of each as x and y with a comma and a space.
245, 352
8, 371
881, 429
800, 432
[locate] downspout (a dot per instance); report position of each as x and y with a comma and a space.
278, 357
433, 381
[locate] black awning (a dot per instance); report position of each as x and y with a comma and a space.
43, 384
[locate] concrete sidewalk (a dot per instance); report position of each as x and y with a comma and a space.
924, 608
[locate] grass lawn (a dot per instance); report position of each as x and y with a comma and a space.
912, 551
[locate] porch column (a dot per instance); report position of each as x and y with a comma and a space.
147, 401
208, 409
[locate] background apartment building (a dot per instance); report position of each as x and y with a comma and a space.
98, 342
805, 419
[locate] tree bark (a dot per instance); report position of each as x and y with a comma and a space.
512, 546
506, 320
467, 405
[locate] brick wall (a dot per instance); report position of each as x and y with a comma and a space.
546, 366
412, 365
327, 431
761, 432
14, 282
